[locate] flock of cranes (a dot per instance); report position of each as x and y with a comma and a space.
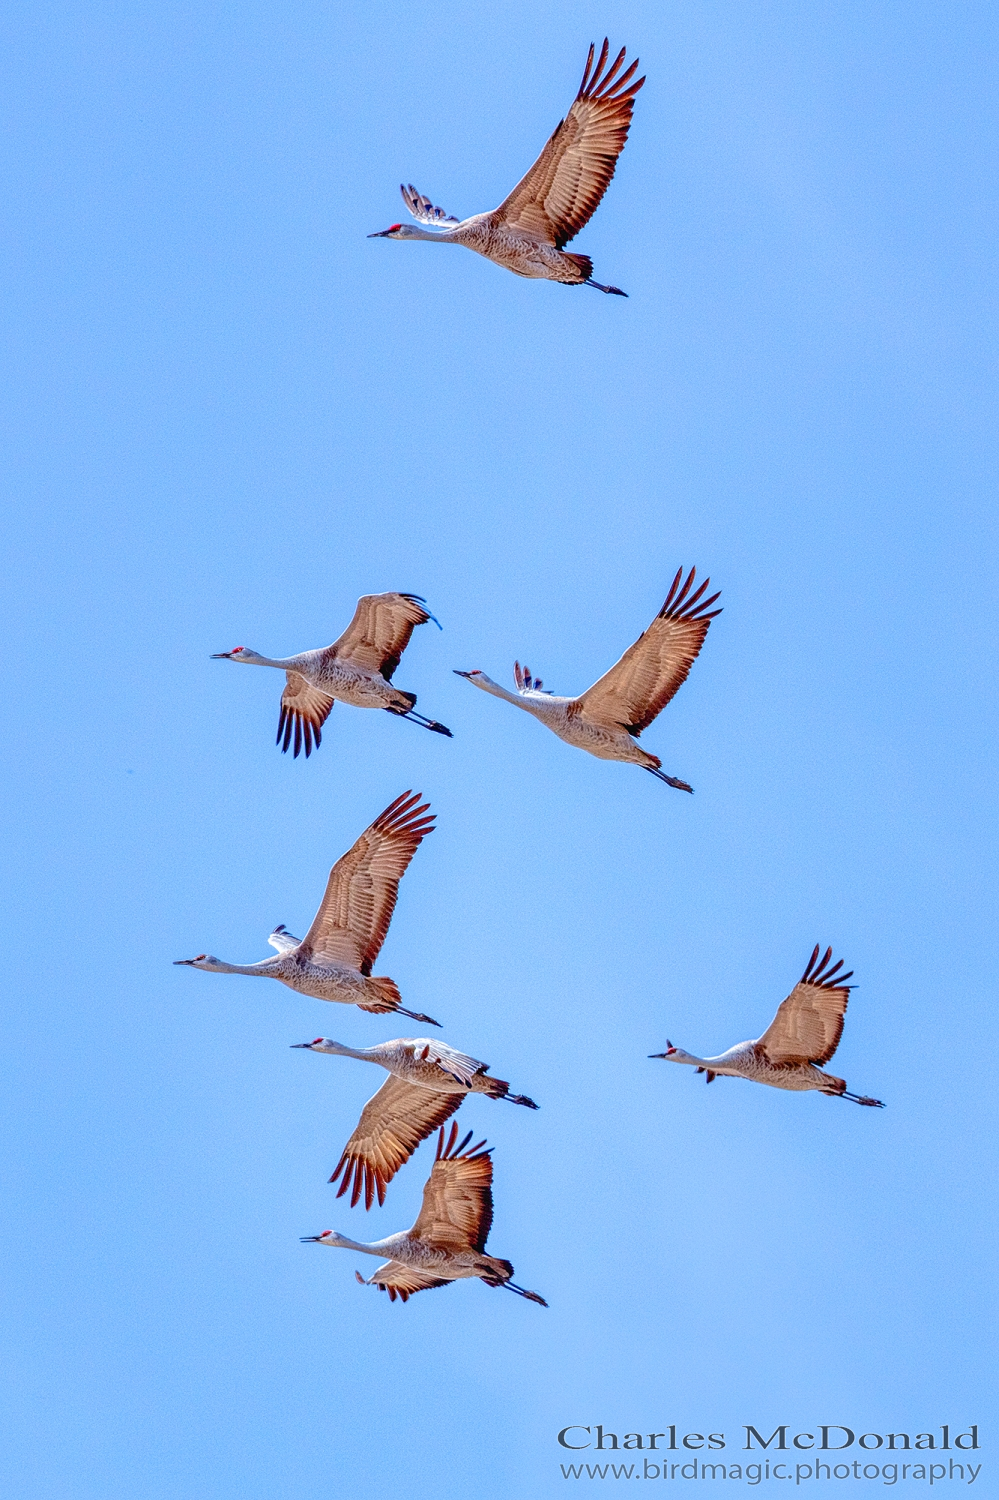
428, 1080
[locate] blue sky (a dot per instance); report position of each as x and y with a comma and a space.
228, 414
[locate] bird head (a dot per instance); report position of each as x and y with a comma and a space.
672, 1054
328, 1237
396, 232
321, 1044
238, 653
477, 678
201, 961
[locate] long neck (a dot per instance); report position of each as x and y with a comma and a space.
220, 967
339, 1049
486, 685
695, 1062
379, 1248
417, 232
285, 664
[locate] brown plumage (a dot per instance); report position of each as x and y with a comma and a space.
527, 233
809, 1023
334, 959
448, 1241
563, 189
429, 1081
650, 672
357, 669
607, 719
363, 886
392, 1125
802, 1036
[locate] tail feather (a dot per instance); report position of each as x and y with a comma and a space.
583, 262
387, 996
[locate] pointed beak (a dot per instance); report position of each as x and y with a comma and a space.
300, 1044
379, 234
460, 674
220, 656
657, 1054
308, 1239
188, 961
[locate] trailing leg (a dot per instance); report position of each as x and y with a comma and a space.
681, 786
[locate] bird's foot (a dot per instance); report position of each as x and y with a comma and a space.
415, 1015
519, 1099
433, 724
862, 1099
681, 786
613, 290
521, 1292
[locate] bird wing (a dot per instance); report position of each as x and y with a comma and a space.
392, 1125
458, 1064
570, 177
423, 210
282, 940
380, 631
638, 686
457, 1201
305, 710
402, 1281
355, 912
809, 1023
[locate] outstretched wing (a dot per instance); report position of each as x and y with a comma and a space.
459, 1065
282, 940
304, 710
392, 1125
809, 1023
380, 631
354, 916
402, 1281
637, 687
570, 177
457, 1207
423, 210
527, 684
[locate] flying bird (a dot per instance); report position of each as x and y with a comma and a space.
448, 1240
335, 958
799, 1041
529, 231
607, 719
357, 669
429, 1082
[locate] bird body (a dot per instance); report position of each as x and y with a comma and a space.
334, 959
428, 1084
527, 233
357, 669
448, 1241
607, 719
802, 1037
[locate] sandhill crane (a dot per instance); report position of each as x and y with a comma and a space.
802, 1036
607, 719
448, 1240
549, 206
334, 959
357, 669
429, 1082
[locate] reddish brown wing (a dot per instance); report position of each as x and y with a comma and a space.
570, 177
457, 1210
380, 631
354, 916
809, 1023
640, 685
402, 1281
392, 1125
304, 710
